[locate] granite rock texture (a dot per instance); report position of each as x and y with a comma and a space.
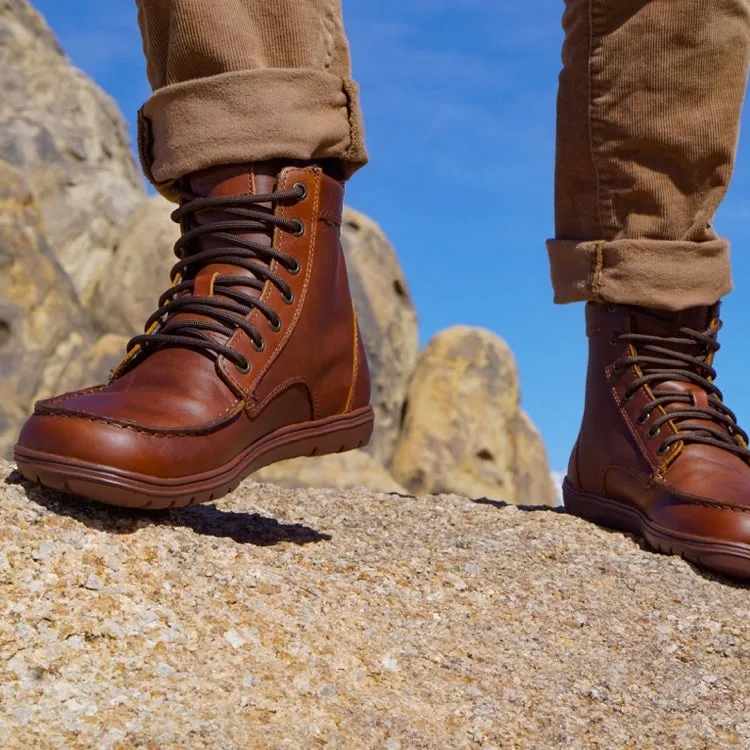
46, 342
68, 138
128, 294
350, 619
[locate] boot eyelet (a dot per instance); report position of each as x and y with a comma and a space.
244, 369
662, 450
259, 347
653, 433
301, 229
613, 340
628, 396
275, 326
643, 418
295, 268
611, 308
288, 299
297, 186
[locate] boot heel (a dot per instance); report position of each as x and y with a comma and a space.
342, 440
346, 432
601, 511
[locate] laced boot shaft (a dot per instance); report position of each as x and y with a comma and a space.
675, 369
232, 249
659, 454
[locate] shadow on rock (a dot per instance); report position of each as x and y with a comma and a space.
206, 520
526, 508
243, 528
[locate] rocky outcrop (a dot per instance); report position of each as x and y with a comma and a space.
388, 322
70, 142
46, 343
348, 619
143, 257
464, 431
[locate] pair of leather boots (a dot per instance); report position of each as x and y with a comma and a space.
255, 356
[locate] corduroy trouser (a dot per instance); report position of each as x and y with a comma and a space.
648, 117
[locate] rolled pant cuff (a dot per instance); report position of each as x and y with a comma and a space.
247, 116
670, 275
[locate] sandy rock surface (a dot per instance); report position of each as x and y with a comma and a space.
347, 619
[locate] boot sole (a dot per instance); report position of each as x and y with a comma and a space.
728, 558
132, 490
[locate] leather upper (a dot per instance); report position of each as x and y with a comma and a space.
691, 488
175, 411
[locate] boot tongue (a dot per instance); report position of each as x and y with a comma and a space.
665, 323
235, 180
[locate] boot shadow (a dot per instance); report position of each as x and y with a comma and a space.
501, 505
206, 520
736, 583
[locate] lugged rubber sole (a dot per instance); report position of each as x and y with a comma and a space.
131, 490
728, 558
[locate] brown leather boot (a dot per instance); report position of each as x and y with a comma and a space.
253, 356
659, 454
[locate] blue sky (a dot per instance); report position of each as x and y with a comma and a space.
459, 102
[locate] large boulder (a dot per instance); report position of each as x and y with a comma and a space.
463, 431
534, 482
388, 322
140, 268
40, 317
46, 342
349, 619
69, 140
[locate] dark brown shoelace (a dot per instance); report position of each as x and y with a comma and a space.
227, 310
661, 359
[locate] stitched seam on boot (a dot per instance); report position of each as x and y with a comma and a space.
632, 430
48, 403
355, 365
311, 259
256, 408
702, 502
209, 428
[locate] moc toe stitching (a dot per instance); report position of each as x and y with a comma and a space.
676, 496
45, 403
205, 429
